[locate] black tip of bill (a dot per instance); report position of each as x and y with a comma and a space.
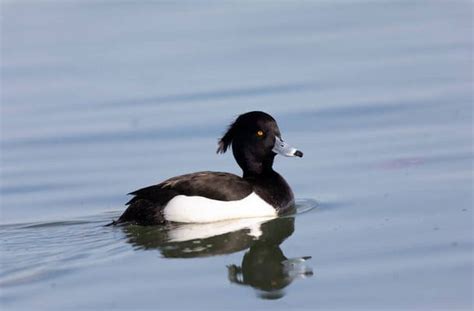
298, 154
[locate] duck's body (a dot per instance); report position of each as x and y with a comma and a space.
214, 196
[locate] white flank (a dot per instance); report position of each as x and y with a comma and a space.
195, 209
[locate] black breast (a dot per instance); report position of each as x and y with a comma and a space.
275, 190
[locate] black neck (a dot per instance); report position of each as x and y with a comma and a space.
253, 169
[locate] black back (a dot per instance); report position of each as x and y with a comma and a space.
146, 205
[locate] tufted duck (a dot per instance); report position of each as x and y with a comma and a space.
215, 196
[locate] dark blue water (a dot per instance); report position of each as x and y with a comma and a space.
100, 98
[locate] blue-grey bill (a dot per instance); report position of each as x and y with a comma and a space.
284, 149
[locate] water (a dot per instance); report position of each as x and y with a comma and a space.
100, 98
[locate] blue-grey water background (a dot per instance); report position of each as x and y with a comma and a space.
99, 98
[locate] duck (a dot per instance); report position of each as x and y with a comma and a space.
208, 196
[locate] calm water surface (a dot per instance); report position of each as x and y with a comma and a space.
100, 98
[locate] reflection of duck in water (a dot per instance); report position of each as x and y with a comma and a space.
196, 240
264, 265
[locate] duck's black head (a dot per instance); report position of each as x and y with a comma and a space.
255, 139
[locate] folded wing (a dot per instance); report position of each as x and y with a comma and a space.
147, 204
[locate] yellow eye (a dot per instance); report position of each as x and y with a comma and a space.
260, 133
